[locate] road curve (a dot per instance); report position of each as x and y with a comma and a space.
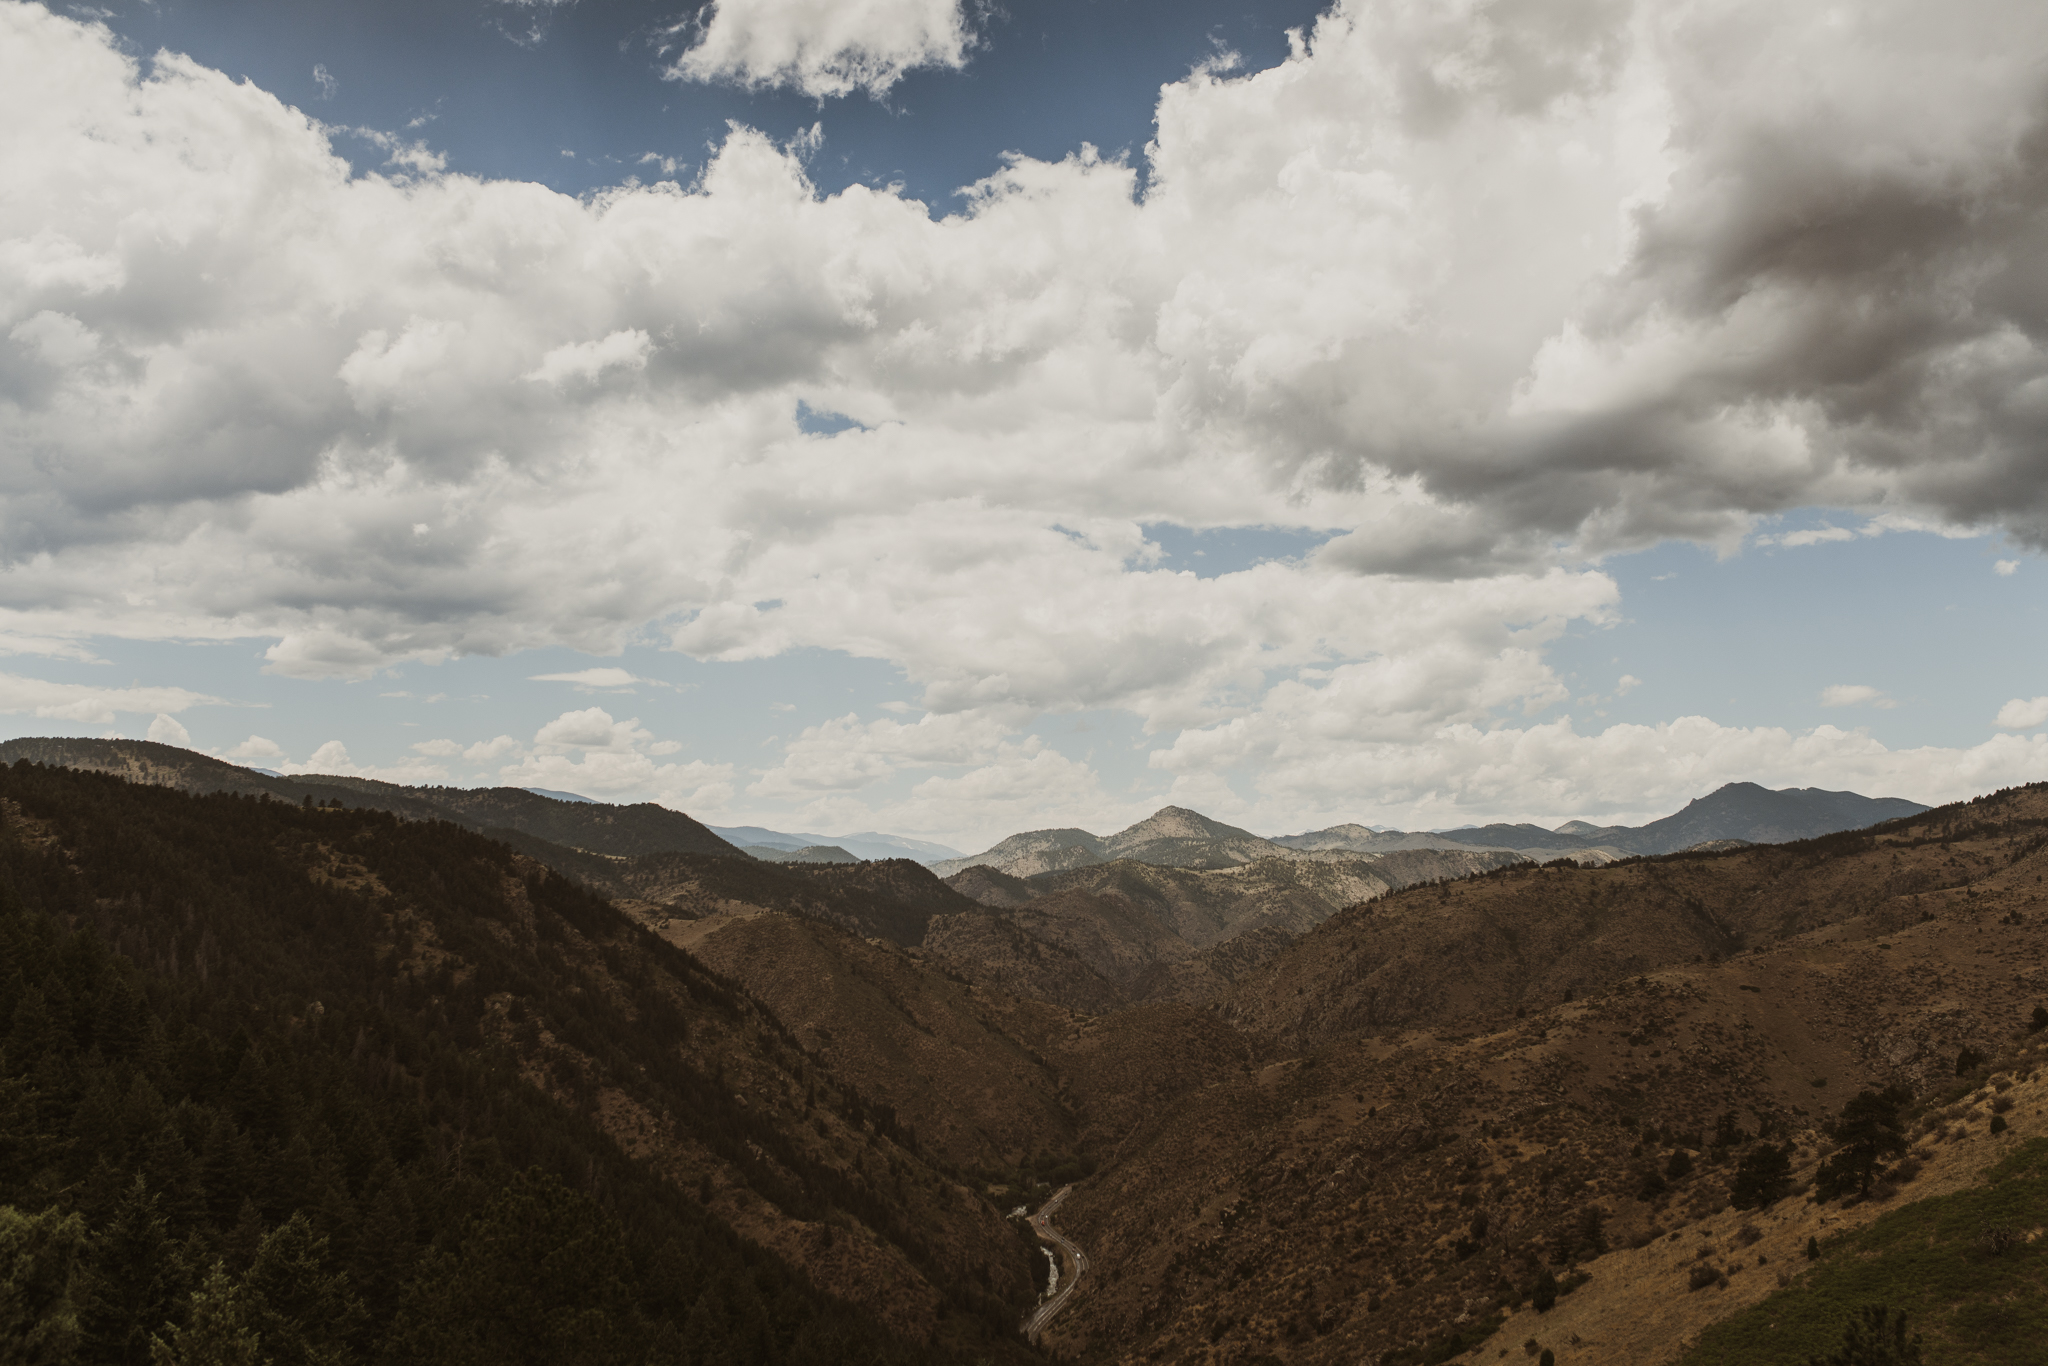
1077, 1265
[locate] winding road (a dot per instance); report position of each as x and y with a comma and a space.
1077, 1265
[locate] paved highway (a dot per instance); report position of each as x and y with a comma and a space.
1077, 1265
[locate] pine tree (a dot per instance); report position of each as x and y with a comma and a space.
135, 1282
1761, 1177
220, 1332
303, 1307
539, 1278
39, 1260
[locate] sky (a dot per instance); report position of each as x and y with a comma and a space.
960, 419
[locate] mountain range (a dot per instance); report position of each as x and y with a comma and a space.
1734, 811
1316, 1106
1176, 837
866, 844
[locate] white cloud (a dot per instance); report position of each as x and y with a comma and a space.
616, 759
14, 643
1491, 289
85, 703
167, 730
2005, 569
333, 758
489, 751
1813, 536
1550, 772
588, 360
256, 747
609, 678
2023, 713
439, 749
1626, 684
823, 47
1854, 695
591, 728
325, 80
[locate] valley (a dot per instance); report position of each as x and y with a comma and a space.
1326, 1106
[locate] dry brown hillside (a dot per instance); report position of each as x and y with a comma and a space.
1314, 1208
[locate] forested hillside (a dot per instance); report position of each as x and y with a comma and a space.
302, 1084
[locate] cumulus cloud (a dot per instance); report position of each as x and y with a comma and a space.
333, 758
2023, 713
256, 747
588, 360
489, 751
2005, 569
823, 47
1494, 290
1551, 771
589, 751
168, 730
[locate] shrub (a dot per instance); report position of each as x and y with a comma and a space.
2040, 1020
1749, 1235
1874, 1338
1679, 1166
1998, 1124
1702, 1275
1813, 1249
1544, 1297
1549, 1358
1995, 1240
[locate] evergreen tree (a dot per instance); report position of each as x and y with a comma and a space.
1761, 1177
1869, 1131
220, 1333
538, 1278
136, 1281
39, 1260
302, 1306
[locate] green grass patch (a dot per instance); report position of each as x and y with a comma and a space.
1931, 1259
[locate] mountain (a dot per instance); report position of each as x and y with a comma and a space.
573, 822
1745, 811
1368, 1137
867, 844
542, 791
1741, 811
1541, 1047
810, 853
386, 1090
1172, 837
1034, 851
1128, 931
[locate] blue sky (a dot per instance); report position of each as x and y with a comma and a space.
961, 420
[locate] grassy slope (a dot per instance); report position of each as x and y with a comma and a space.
1926, 1260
